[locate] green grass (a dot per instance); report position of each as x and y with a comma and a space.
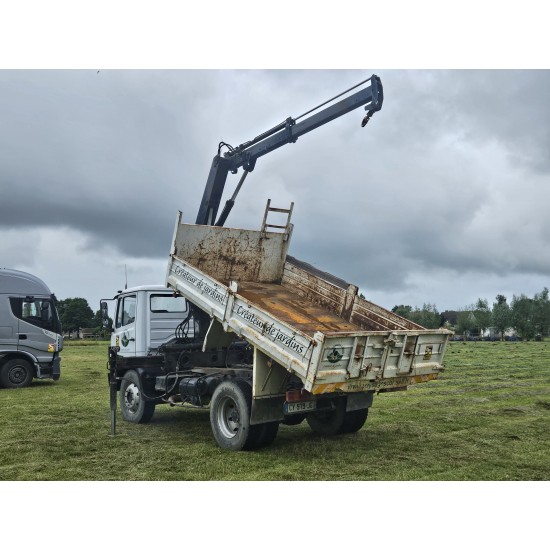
486, 418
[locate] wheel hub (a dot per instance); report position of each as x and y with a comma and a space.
229, 420
132, 398
17, 375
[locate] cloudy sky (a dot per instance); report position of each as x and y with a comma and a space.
442, 198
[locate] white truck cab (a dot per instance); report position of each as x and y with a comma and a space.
145, 318
30, 331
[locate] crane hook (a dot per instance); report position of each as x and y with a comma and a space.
366, 119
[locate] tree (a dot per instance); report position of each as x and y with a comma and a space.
74, 314
466, 322
523, 310
428, 316
449, 318
402, 311
541, 314
483, 315
501, 315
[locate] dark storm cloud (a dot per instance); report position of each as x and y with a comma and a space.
508, 106
104, 153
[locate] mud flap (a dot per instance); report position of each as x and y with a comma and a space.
361, 400
268, 409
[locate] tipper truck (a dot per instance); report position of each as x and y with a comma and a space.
256, 335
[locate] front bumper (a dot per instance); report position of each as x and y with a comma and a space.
49, 370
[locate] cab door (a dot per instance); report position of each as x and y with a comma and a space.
37, 326
125, 325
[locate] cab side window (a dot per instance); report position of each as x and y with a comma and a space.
126, 312
36, 311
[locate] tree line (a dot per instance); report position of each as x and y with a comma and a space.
528, 317
76, 314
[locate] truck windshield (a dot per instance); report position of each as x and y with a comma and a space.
40, 312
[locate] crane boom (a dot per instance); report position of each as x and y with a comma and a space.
245, 155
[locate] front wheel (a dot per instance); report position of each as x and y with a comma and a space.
133, 405
16, 373
230, 416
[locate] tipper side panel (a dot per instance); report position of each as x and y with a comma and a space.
341, 298
365, 314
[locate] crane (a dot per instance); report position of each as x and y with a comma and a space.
245, 155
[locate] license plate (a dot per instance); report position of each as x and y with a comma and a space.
300, 406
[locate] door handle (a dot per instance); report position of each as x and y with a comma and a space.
22, 337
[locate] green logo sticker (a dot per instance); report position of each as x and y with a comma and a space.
334, 356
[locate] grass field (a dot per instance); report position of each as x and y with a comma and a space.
486, 418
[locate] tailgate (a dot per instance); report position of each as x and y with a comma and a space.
361, 361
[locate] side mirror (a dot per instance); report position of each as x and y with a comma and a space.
105, 321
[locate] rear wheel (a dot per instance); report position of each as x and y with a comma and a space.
230, 417
354, 421
293, 419
268, 433
133, 405
16, 373
329, 422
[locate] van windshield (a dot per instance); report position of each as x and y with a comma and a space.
40, 312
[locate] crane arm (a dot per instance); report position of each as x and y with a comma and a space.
245, 155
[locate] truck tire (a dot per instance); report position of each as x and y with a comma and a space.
329, 422
354, 421
268, 433
230, 416
16, 373
133, 405
293, 419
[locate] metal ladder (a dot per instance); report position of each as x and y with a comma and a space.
287, 229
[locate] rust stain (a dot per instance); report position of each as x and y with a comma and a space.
376, 385
291, 308
410, 346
